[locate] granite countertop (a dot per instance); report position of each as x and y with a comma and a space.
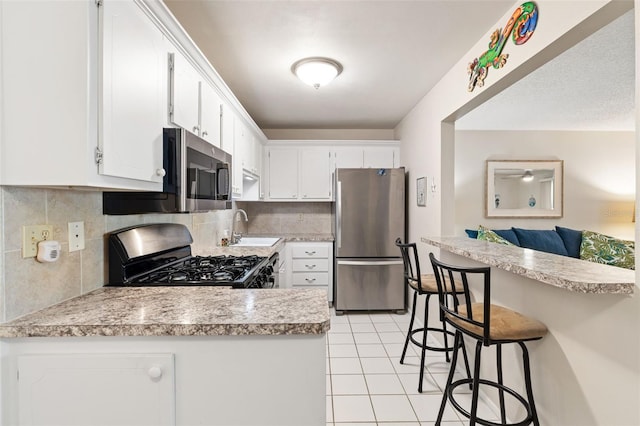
561, 271
179, 311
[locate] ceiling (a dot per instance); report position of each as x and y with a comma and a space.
588, 87
393, 52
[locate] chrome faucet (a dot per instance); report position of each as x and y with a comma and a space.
236, 236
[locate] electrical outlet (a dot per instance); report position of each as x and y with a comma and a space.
32, 235
76, 236
300, 217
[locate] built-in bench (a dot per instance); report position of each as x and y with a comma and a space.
584, 245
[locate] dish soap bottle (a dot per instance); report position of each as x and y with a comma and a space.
224, 241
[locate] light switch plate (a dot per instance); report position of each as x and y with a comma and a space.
76, 236
32, 235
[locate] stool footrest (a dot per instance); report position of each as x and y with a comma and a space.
432, 348
527, 420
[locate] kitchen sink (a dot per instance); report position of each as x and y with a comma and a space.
256, 241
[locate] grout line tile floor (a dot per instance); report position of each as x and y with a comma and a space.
367, 385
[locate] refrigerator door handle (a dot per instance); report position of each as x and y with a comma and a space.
339, 213
365, 263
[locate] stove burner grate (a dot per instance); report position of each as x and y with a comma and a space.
204, 270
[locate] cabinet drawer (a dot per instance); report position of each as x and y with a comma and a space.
310, 278
309, 251
310, 265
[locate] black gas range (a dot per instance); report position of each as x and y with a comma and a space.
160, 255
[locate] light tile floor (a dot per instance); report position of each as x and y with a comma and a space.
367, 385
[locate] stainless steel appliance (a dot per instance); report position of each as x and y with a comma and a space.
369, 216
160, 255
197, 178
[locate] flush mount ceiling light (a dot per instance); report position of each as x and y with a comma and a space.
316, 72
527, 176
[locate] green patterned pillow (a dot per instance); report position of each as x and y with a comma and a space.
601, 248
488, 235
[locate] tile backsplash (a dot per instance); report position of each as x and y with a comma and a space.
287, 218
27, 285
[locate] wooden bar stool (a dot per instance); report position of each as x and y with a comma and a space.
422, 284
489, 325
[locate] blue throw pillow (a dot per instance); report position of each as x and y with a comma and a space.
572, 240
472, 233
542, 240
507, 234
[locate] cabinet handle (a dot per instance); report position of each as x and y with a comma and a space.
310, 280
310, 266
205, 133
154, 372
161, 172
310, 253
304, 196
195, 129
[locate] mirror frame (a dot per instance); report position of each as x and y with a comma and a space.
555, 165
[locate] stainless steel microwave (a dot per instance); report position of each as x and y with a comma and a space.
197, 179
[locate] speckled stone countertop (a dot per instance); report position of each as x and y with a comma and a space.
179, 311
561, 271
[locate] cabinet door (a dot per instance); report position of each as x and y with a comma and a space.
379, 157
209, 114
134, 61
95, 389
348, 157
315, 177
283, 173
239, 156
227, 122
257, 156
185, 83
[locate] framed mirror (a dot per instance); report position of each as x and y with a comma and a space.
524, 188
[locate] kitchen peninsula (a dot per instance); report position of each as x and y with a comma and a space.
561, 271
169, 355
583, 304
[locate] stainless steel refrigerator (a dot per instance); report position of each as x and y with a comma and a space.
369, 215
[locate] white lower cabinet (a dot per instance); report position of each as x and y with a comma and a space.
190, 380
96, 389
311, 265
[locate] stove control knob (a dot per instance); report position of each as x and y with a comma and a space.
161, 172
155, 372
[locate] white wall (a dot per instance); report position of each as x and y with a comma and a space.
587, 370
599, 177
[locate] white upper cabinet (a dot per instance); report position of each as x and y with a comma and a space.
210, 104
228, 123
283, 173
195, 104
381, 157
87, 89
315, 176
184, 109
134, 61
93, 81
377, 155
299, 173
348, 157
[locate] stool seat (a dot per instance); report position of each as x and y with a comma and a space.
428, 284
505, 324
